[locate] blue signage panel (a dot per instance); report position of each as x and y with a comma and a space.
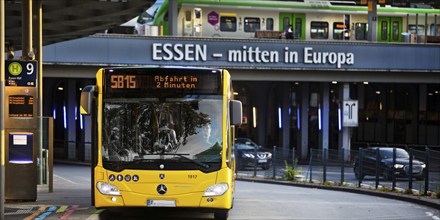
246, 54
21, 73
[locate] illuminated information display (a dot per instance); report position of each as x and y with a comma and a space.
148, 80
21, 106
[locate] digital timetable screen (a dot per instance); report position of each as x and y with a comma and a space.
21, 106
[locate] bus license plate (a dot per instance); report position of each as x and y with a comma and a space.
161, 203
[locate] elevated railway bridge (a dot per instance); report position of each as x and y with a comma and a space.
292, 91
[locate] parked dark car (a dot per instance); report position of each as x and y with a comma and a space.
246, 150
401, 167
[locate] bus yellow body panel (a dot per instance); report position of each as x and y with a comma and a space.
141, 162
186, 188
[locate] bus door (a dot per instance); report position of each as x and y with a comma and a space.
298, 22
389, 29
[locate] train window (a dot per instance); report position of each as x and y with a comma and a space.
420, 28
188, 16
228, 24
251, 24
286, 23
298, 28
433, 30
396, 31
269, 24
361, 30
384, 27
197, 13
319, 30
339, 29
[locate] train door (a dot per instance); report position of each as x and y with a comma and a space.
389, 29
197, 22
192, 22
298, 22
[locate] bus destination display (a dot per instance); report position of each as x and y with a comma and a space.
21, 106
191, 82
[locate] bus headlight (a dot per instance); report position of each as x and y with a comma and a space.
216, 190
107, 189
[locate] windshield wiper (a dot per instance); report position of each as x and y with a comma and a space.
182, 156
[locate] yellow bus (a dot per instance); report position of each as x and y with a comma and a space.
163, 137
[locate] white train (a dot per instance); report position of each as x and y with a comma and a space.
310, 19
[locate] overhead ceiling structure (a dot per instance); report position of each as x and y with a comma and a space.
70, 19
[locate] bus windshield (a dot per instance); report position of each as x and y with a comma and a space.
176, 133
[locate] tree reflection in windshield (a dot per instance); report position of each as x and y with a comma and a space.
146, 129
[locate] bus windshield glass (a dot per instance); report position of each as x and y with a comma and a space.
173, 134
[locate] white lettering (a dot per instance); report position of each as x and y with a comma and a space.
350, 58
249, 54
167, 50
253, 55
338, 59
189, 52
308, 55
201, 52
179, 52
157, 51
332, 58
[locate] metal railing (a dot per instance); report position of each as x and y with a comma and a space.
337, 167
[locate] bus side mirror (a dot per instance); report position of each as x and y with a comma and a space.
87, 95
236, 112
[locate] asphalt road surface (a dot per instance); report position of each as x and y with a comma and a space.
252, 201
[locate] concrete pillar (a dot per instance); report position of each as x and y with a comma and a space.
260, 100
423, 101
26, 28
304, 116
285, 116
372, 20
71, 104
172, 17
346, 131
325, 115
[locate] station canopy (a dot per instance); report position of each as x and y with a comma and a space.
70, 19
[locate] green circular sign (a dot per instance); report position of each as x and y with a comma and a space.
15, 68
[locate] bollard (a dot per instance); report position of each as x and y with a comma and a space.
377, 167
426, 170
293, 157
325, 152
360, 159
255, 161
393, 169
274, 162
342, 153
410, 183
311, 165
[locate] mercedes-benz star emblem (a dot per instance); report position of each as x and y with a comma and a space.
161, 189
